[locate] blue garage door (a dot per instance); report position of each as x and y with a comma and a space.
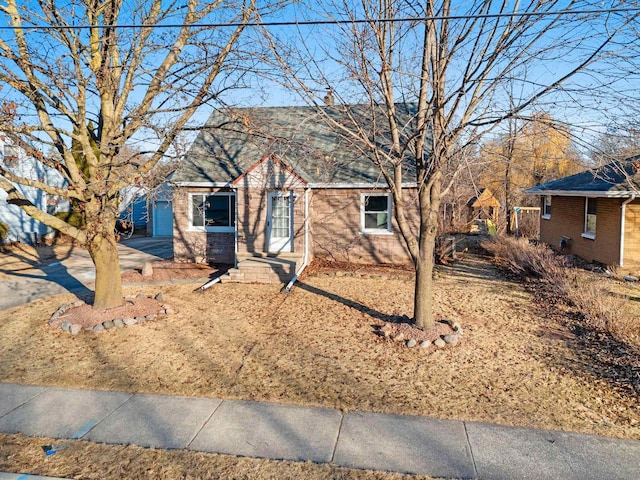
162, 219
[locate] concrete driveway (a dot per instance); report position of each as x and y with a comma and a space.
76, 272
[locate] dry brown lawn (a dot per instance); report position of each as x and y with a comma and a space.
91, 461
630, 291
520, 362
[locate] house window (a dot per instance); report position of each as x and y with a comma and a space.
590, 218
214, 212
546, 207
375, 213
10, 154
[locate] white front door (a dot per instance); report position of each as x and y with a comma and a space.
280, 222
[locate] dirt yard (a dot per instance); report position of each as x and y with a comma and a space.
520, 362
166, 270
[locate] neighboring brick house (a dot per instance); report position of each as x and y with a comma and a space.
276, 184
594, 214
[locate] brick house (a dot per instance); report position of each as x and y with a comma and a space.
594, 214
267, 189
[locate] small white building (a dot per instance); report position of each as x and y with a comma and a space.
23, 228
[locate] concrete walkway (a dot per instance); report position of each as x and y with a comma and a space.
410, 444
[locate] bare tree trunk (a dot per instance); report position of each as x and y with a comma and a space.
423, 289
508, 202
430, 197
509, 159
104, 253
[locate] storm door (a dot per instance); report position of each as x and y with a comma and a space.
280, 222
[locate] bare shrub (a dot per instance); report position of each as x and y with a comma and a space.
519, 256
600, 309
529, 223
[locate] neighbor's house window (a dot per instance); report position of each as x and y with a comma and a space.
546, 207
213, 212
375, 212
590, 218
10, 154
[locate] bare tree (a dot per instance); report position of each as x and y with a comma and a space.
88, 78
534, 150
615, 144
449, 64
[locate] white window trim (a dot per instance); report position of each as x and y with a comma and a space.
546, 216
585, 233
204, 228
375, 231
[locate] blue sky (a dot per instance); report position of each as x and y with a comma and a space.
577, 105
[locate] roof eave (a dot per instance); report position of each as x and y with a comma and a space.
203, 184
358, 185
309, 185
583, 193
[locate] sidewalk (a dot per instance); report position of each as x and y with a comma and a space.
418, 445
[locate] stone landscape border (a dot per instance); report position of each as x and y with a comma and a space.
74, 328
394, 332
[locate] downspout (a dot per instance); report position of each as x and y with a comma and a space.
235, 230
209, 284
622, 225
305, 258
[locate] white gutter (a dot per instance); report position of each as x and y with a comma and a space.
305, 259
622, 225
359, 185
585, 193
310, 185
203, 184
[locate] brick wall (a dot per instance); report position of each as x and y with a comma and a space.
198, 246
252, 215
567, 219
334, 229
335, 226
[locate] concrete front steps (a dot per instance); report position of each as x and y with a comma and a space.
277, 269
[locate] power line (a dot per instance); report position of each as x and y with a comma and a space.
292, 23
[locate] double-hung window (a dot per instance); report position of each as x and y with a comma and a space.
375, 213
590, 218
214, 212
546, 207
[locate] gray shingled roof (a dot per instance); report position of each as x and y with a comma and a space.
617, 179
235, 139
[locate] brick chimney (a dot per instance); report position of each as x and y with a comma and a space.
328, 98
